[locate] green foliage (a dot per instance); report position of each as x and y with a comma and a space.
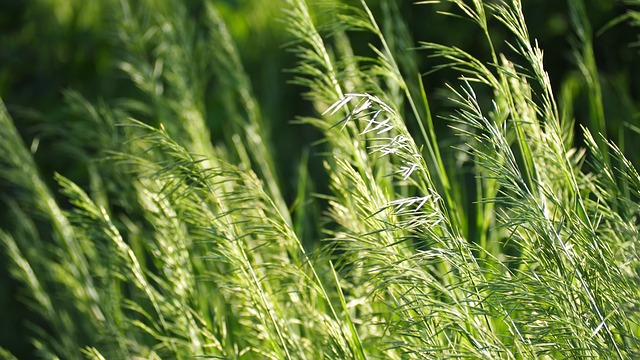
181, 236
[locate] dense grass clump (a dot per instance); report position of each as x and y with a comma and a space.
511, 231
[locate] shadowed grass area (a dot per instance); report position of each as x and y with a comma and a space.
430, 201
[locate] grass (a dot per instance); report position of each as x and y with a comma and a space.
521, 242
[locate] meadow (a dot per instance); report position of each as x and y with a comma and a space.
320, 179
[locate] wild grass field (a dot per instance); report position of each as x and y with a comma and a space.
306, 179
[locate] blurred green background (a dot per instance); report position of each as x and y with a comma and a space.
50, 46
